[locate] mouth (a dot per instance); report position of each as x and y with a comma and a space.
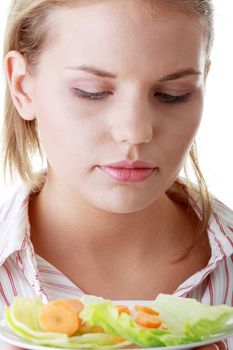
130, 175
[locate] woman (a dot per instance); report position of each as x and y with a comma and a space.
113, 91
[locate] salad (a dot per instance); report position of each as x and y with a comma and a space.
94, 322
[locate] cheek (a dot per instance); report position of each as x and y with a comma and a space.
66, 135
181, 131
185, 133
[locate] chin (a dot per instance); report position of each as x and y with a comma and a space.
125, 206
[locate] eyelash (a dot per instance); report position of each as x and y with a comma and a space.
166, 98
91, 95
174, 99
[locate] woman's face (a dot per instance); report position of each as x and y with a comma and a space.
147, 74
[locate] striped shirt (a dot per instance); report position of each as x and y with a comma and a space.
24, 273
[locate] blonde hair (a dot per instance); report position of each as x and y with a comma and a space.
27, 33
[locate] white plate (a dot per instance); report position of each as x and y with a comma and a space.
10, 338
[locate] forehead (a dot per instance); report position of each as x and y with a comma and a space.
126, 35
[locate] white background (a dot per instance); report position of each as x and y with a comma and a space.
215, 138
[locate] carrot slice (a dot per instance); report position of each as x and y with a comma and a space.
123, 308
90, 329
61, 316
147, 310
119, 340
148, 321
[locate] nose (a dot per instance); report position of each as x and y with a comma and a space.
133, 122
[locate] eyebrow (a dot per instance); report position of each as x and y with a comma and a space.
93, 70
180, 74
104, 74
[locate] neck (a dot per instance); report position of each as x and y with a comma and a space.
58, 214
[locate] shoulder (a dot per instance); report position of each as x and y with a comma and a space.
221, 225
18, 201
13, 222
223, 213
220, 234
13, 204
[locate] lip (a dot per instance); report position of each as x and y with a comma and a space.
126, 164
126, 171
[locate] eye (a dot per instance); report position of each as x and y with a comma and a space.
92, 95
166, 98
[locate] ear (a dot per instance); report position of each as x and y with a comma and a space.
19, 80
207, 68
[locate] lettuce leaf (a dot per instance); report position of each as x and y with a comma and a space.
23, 318
194, 320
187, 320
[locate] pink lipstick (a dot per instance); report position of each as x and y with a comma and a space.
126, 171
